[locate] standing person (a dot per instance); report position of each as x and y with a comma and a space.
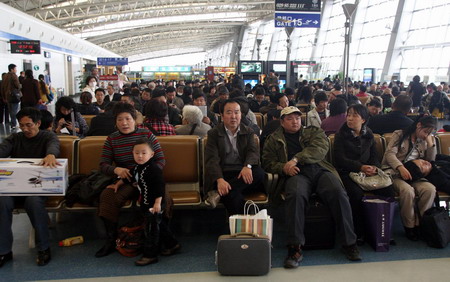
117, 160
43, 89
231, 161
9, 84
30, 91
29, 143
416, 91
414, 142
4, 113
298, 154
91, 85
355, 151
150, 182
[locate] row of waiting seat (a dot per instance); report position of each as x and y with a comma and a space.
184, 171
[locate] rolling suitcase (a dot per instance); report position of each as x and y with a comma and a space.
243, 254
319, 226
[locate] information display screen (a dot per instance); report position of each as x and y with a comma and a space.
251, 67
25, 46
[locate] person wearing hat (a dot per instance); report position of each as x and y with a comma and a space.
232, 161
297, 155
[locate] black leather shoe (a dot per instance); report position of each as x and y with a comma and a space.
107, 249
5, 258
43, 257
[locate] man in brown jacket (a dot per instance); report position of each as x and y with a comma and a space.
232, 161
10, 83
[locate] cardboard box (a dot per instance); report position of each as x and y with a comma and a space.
25, 177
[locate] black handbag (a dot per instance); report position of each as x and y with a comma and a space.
15, 96
435, 226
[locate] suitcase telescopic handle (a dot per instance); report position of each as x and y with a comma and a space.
245, 234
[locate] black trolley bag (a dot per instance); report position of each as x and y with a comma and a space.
319, 226
435, 225
243, 254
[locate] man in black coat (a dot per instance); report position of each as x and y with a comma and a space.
394, 120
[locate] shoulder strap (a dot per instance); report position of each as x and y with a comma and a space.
193, 129
150, 127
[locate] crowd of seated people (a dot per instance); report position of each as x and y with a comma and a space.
293, 144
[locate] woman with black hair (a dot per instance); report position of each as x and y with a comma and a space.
44, 90
355, 151
30, 91
68, 118
414, 142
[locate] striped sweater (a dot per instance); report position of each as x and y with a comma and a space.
118, 149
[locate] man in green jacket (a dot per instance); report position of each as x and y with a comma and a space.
297, 154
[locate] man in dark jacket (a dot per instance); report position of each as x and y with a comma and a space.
298, 155
394, 120
30, 143
232, 161
104, 123
11, 83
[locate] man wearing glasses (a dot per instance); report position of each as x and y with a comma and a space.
29, 143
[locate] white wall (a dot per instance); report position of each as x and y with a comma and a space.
16, 24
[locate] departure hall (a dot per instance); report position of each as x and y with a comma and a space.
224, 140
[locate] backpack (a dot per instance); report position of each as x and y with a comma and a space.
131, 238
86, 189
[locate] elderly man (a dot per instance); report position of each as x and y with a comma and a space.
297, 154
30, 143
232, 161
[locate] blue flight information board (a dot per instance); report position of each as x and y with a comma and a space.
297, 20
112, 61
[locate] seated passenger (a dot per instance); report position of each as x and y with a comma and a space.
65, 109
117, 160
414, 142
320, 112
172, 99
337, 118
173, 114
355, 151
30, 143
210, 118
223, 96
86, 107
231, 161
150, 182
104, 123
297, 155
193, 116
156, 113
258, 101
101, 101
46, 120
374, 107
129, 99
394, 120
289, 92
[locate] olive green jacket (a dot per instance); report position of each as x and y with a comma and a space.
314, 145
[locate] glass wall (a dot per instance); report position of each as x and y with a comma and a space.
417, 31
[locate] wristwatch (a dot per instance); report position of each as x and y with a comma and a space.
294, 159
249, 166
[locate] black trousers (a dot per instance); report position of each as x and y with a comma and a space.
298, 190
157, 234
4, 112
355, 195
234, 201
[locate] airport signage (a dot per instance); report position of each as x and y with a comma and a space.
25, 46
297, 20
297, 5
112, 61
297, 13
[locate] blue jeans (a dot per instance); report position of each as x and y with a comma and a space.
13, 109
35, 208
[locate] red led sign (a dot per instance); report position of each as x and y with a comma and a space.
25, 46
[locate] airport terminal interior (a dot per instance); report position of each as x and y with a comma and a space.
383, 45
